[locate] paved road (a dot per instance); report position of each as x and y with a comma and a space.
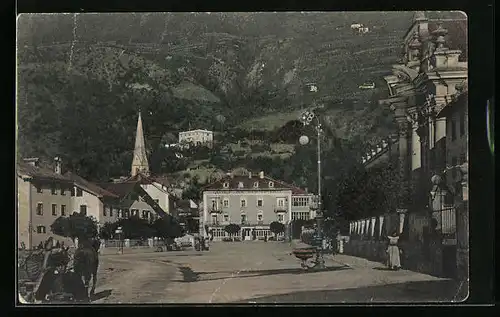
256, 272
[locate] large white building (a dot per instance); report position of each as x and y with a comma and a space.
252, 201
196, 137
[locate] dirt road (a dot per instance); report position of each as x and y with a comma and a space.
133, 279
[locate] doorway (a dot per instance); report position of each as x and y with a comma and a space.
246, 234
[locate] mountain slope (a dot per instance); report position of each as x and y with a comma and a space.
82, 77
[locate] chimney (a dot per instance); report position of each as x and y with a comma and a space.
33, 161
57, 161
250, 175
261, 175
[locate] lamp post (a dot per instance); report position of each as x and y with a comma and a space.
119, 231
307, 118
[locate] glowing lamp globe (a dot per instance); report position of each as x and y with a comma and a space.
303, 140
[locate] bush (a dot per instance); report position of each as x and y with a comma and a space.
227, 239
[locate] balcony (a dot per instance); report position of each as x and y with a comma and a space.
280, 210
215, 210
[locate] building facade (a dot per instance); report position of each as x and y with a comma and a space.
431, 78
253, 202
196, 137
45, 194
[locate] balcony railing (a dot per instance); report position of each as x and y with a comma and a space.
280, 209
216, 210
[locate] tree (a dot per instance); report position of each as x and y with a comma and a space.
193, 192
75, 226
369, 192
232, 229
135, 228
277, 227
107, 230
167, 228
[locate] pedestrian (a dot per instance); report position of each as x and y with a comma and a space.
394, 261
265, 237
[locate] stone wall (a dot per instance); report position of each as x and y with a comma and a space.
416, 256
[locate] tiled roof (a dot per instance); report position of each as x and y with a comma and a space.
248, 184
144, 179
25, 169
44, 173
120, 189
79, 181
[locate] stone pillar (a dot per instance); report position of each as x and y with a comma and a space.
358, 227
440, 135
127, 243
380, 225
416, 155
437, 204
372, 227
462, 223
403, 130
150, 243
431, 132
402, 214
350, 227
363, 223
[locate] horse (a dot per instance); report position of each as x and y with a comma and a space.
57, 281
86, 263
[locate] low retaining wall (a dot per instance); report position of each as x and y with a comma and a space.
414, 256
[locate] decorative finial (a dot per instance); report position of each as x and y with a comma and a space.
414, 46
419, 16
439, 35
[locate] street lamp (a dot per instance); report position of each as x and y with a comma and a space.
119, 231
307, 118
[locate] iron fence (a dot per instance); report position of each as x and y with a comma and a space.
132, 243
448, 221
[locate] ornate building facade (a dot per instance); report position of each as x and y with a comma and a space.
431, 76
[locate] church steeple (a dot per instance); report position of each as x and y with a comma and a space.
140, 160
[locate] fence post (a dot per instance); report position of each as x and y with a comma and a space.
127, 243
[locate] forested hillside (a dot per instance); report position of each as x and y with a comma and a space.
82, 78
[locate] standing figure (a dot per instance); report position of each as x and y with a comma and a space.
393, 252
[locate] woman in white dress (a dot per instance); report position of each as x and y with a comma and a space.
393, 252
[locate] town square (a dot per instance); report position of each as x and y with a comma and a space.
248, 158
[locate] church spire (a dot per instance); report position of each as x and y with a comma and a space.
140, 160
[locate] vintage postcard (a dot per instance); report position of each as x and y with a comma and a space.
264, 158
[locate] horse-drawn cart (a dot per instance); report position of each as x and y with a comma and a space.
45, 276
